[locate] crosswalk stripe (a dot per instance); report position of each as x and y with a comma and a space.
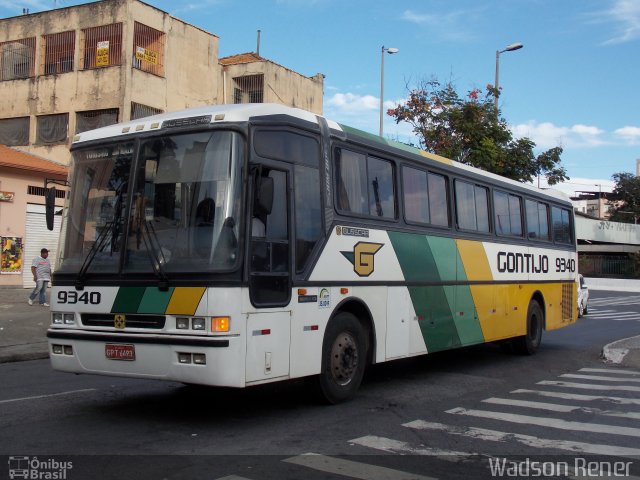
349, 468
610, 370
587, 386
552, 407
529, 440
599, 378
396, 446
579, 396
548, 422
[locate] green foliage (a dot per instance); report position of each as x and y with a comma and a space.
627, 195
471, 131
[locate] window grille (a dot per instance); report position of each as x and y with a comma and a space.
52, 129
140, 111
93, 119
248, 89
14, 131
59, 49
148, 49
41, 191
17, 59
101, 46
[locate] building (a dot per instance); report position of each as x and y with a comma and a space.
249, 78
73, 69
23, 229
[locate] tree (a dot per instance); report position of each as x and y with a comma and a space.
626, 208
471, 131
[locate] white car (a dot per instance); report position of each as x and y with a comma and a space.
583, 297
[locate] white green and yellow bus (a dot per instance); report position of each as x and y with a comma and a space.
236, 245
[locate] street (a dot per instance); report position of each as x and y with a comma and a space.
447, 415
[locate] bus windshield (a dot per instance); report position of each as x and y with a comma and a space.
183, 216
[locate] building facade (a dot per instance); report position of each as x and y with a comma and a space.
23, 229
73, 69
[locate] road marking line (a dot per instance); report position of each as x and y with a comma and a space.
349, 468
236, 477
48, 396
600, 378
586, 386
561, 408
578, 396
609, 370
395, 446
529, 440
548, 422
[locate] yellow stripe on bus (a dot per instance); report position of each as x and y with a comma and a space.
185, 300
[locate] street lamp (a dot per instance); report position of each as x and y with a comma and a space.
509, 48
390, 51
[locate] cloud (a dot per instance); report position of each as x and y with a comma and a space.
629, 134
625, 16
452, 26
549, 135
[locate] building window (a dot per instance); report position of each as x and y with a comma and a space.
52, 129
17, 59
148, 49
42, 191
59, 49
14, 131
95, 119
102, 46
140, 111
248, 89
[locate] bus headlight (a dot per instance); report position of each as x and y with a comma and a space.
69, 318
57, 318
182, 323
198, 323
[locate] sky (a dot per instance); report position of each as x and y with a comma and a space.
574, 84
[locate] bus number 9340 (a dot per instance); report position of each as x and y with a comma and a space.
72, 297
565, 265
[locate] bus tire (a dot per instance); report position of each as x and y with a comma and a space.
344, 356
528, 344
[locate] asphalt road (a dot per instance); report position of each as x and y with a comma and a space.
448, 415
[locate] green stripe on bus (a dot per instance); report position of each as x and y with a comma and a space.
155, 301
128, 300
449, 317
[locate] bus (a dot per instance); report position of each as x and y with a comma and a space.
235, 245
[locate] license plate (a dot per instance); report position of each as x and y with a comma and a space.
120, 352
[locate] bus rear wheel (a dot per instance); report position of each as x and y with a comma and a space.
344, 358
528, 344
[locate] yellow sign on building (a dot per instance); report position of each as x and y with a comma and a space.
102, 54
147, 55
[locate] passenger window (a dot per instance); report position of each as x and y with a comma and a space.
472, 208
508, 214
425, 197
561, 225
365, 185
537, 220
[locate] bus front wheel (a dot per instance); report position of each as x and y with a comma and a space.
528, 344
344, 357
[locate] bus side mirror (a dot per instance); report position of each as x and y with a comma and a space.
264, 195
50, 205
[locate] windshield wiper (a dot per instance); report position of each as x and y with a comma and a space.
156, 255
97, 246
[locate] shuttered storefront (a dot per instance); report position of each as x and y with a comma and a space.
38, 237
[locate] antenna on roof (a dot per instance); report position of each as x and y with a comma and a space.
25, 11
258, 46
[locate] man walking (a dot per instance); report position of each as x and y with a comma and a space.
41, 269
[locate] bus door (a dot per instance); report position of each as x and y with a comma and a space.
269, 270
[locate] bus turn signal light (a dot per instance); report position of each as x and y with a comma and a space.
220, 324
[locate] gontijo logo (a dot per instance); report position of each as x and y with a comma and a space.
362, 257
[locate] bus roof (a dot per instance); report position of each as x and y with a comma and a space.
244, 112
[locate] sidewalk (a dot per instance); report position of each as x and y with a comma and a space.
23, 328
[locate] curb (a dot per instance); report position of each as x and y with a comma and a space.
615, 352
